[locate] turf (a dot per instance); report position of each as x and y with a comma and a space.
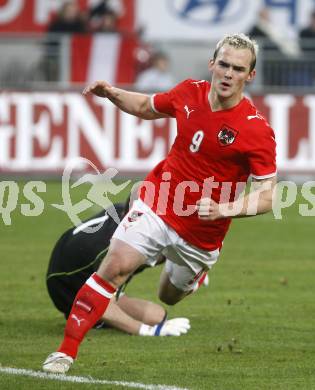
252, 328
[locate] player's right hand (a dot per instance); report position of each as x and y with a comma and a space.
209, 210
101, 89
174, 327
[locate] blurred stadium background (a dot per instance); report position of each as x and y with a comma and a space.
44, 120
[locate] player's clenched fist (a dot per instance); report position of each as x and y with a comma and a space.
101, 89
208, 209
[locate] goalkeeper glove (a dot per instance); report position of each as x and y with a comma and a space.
174, 327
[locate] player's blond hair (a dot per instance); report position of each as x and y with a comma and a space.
239, 41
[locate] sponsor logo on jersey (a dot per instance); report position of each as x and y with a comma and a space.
226, 136
197, 83
257, 115
188, 111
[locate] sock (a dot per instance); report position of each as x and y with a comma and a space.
89, 305
202, 279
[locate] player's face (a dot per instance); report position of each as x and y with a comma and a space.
230, 71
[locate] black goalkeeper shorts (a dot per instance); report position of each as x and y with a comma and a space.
65, 276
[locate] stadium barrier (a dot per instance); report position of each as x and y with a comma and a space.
58, 61
41, 131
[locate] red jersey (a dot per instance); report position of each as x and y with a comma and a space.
224, 146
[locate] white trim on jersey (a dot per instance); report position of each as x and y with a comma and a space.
89, 223
264, 176
153, 106
95, 286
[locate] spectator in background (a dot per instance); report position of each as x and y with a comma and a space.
276, 47
275, 38
69, 20
105, 14
308, 33
105, 23
157, 76
104, 6
307, 44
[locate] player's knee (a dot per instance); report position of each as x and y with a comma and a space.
110, 268
168, 292
116, 267
159, 315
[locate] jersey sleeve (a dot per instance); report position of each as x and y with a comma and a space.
262, 155
164, 103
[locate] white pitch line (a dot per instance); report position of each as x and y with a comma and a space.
83, 379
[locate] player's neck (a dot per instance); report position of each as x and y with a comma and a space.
219, 103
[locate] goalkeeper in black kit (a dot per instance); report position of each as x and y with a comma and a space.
78, 253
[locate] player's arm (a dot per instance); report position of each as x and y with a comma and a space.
257, 201
143, 318
134, 103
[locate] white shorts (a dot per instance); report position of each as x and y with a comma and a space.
145, 231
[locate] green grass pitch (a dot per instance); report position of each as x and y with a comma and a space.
252, 328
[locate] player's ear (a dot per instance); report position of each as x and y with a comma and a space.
210, 65
251, 75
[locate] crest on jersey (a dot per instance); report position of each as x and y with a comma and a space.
132, 217
226, 136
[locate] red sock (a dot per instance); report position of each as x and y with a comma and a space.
89, 305
198, 281
202, 279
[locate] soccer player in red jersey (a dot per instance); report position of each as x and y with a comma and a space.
188, 200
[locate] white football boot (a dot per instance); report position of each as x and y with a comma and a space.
57, 363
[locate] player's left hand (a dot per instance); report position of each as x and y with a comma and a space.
208, 209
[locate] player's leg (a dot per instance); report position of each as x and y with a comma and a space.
147, 312
121, 260
92, 300
185, 269
117, 318
170, 294
176, 282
